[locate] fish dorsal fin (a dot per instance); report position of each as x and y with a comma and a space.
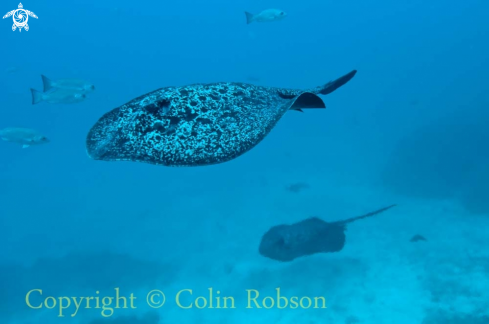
350, 220
306, 100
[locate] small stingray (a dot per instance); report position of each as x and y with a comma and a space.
417, 238
307, 237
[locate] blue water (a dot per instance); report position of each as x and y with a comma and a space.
410, 128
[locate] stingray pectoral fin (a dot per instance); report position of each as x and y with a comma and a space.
333, 85
306, 100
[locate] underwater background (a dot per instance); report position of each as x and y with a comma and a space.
410, 128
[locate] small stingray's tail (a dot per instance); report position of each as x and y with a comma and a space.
350, 220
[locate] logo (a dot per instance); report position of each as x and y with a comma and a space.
20, 16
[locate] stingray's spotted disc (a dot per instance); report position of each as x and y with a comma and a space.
199, 124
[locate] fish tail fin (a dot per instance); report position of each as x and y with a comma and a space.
249, 17
346, 221
48, 84
36, 96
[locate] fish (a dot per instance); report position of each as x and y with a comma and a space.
417, 238
59, 96
74, 85
24, 136
286, 243
268, 15
199, 124
297, 187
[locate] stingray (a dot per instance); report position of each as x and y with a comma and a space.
199, 124
310, 236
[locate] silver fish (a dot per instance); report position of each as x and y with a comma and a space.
24, 136
74, 85
58, 96
268, 15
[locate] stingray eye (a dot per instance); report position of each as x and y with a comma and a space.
281, 242
282, 13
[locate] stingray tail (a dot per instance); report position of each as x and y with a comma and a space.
309, 98
333, 85
350, 220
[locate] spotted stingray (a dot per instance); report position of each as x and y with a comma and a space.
310, 236
199, 124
